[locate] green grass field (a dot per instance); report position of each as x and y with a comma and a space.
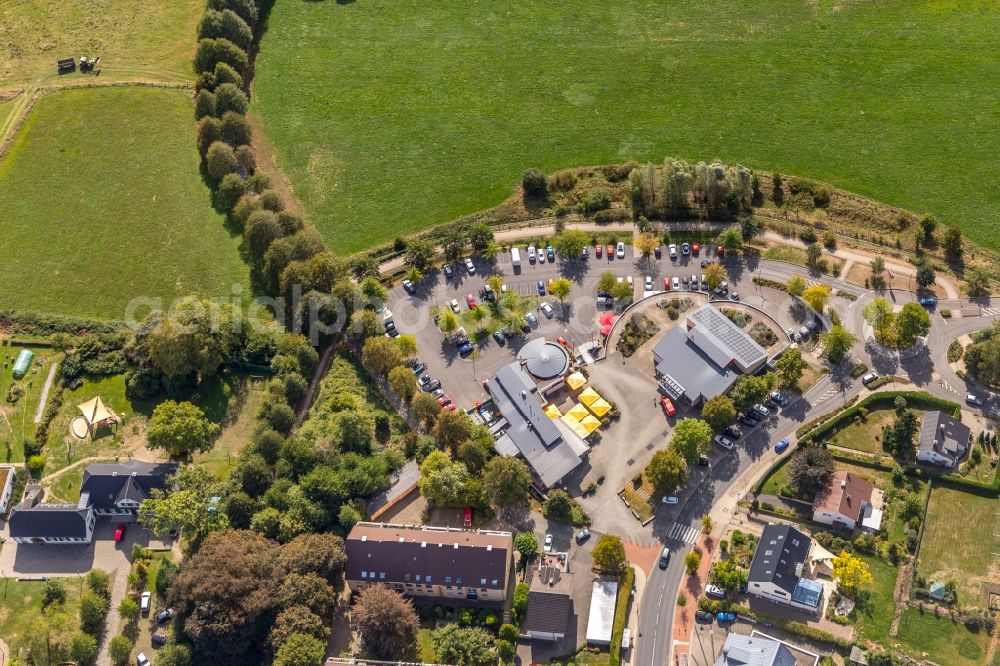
958, 542
940, 639
409, 113
17, 419
135, 38
103, 202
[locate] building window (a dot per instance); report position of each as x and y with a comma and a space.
364, 574
418, 578
381, 575
428, 579
447, 579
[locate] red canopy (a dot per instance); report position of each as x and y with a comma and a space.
606, 329
607, 318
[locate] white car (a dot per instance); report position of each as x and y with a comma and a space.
670, 499
715, 591
675, 284
453, 303
503, 288
649, 283
724, 442
144, 600
547, 547
541, 256
546, 309
531, 253
620, 250
973, 399
673, 251
629, 278
761, 409
869, 378
469, 266
141, 660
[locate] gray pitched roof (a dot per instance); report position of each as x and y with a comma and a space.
110, 483
944, 434
740, 650
781, 549
723, 340
545, 447
49, 521
547, 612
689, 371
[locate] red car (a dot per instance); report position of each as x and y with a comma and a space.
467, 517
719, 250
666, 284
611, 252
598, 251
549, 286
470, 300
668, 406
695, 247
444, 400
563, 342
120, 532
451, 407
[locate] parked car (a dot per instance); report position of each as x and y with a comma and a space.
546, 309
724, 442
673, 250
703, 461
565, 343
973, 399
670, 500
747, 420
418, 367
781, 446
469, 266
715, 592
451, 407
734, 296
467, 517
668, 406
531, 254
649, 283
548, 285
869, 378
780, 398
657, 252
723, 616
620, 250
582, 535
429, 383
164, 616
685, 249
694, 248
141, 660
144, 600
675, 284
550, 253
541, 288
499, 337
664, 558
702, 616
666, 284
585, 253
408, 286
598, 251
611, 252
466, 349
761, 409
531, 319
120, 532
547, 546
443, 399
470, 300
159, 639
448, 271
928, 301
454, 306
733, 432
694, 281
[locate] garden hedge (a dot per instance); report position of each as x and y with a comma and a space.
625, 584
917, 399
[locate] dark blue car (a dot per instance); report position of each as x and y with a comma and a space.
465, 349
541, 288
781, 446
928, 301
723, 616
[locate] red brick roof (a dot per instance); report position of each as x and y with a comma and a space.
844, 494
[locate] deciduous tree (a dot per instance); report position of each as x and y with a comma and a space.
715, 275
381, 354
181, 429
750, 389
817, 296
836, 343
808, 471
570, 243
789, 368
912, 322
879, 315
301, 650
796, 285
526, 543
403, 382
851, 572
718, 412
609, 553
731, 239
813, 254
925, 275
386, 621
646, 243
691, 439
463, 646
667, 471
506, 480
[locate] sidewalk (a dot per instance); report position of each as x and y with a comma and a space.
690, 589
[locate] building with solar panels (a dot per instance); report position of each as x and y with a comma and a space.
703, 357
778, 570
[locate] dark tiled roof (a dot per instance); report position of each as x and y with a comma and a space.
49, 521
547, 612
434, 553
940, 432
110, 483
781, 549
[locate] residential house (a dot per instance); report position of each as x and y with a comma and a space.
550, 614
703, 357
740, 650
117, 489
547, 445
779, 566
30, 521
8, 475
848, 501
943, 440
430, 562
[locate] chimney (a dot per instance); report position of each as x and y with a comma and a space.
843, 483
798, 570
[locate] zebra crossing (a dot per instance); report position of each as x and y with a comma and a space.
990, 311
826, 395
684, 533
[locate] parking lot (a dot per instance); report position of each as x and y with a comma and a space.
576, 320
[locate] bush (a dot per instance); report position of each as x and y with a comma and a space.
245, 9
120, 649
246, 158
209, 131
204, 104
562, 180
213, 51
235, 128
535, 184
226, 24
230, 190
597, 199
224, 73
508, 632
229, 98
220, 160
621, 614
36, 464
520, 600
93, 611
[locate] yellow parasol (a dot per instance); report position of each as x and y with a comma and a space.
574, 425
590, 424
578, 412
576, 380
600, 407
552, 412
589, 396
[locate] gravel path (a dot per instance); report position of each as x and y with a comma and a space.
45, 392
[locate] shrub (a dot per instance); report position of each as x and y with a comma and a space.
245, 9
204, 104
224, 73
226, 24
508, 632
271, 200
220, 160
119, 649
235, 128
209, 131
213, 51
520, 600
259, 182
93, 611
230, 190
36, 464
228, 98
535, 184
563, 180
597, 199
246, 158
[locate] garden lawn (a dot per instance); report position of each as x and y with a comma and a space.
861, 436
872, 615
392, 115
135, 39
20, 601
958, 542
17, 422
103, 202
940, 639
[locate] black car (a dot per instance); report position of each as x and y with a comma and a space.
703, 461
603, 294
657, 252
448, 270
159, 639
747, 420
732, 432
164, 616
703, 616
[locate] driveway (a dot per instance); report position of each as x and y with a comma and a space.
56, 561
